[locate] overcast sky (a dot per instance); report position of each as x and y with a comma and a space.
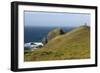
55, 19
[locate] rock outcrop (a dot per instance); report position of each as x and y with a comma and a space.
52, 34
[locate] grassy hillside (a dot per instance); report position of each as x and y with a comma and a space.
71, 45
55, 32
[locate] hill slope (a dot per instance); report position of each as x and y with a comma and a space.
52, 34
72, 45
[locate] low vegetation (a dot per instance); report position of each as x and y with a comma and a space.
74, 44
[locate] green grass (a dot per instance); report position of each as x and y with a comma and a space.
72, 45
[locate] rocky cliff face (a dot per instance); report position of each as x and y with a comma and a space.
52, 34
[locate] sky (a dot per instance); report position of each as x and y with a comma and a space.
55, 19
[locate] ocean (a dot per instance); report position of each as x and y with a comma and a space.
36, 34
